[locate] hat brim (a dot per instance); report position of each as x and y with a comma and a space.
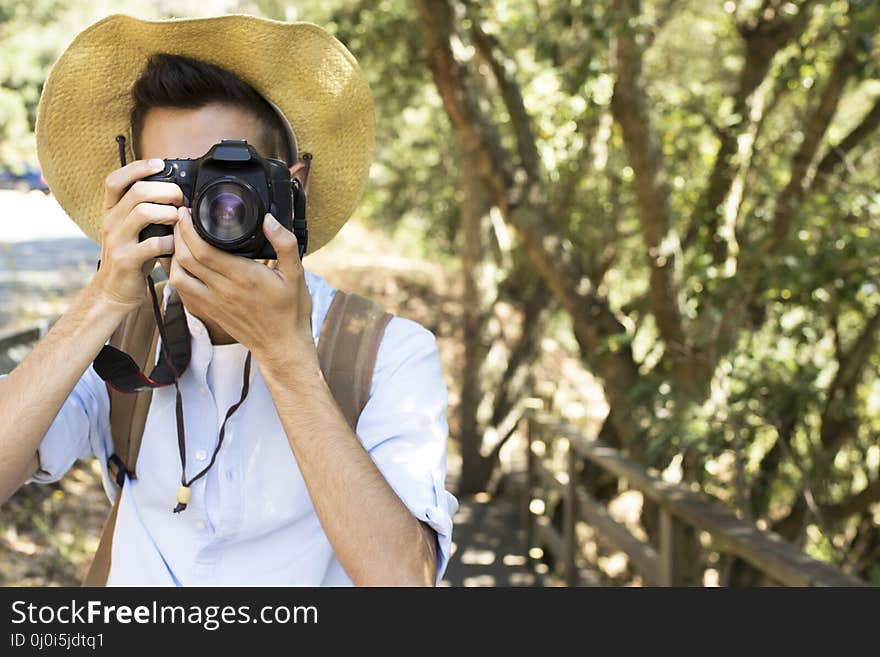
303, 70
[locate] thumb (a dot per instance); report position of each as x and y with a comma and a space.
284, 243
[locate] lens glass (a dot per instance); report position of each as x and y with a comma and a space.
228, 211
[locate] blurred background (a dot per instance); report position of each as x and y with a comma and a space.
645, 234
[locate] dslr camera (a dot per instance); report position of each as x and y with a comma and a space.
229, 190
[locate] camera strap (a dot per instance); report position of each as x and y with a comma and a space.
121, 371
299, 194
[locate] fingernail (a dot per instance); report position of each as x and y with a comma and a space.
271, 222
157, 164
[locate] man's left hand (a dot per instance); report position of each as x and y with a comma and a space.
267, 310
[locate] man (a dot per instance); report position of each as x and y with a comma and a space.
293, 495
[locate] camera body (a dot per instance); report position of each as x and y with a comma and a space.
229, 190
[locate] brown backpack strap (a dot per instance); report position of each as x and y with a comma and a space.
347, 349
100, 568
137, 335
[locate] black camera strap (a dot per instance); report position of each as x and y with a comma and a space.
299, 193
120, 370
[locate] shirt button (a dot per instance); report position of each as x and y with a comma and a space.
201, 455
200, 525
198, 330
203, 390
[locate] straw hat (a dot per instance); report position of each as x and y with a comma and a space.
300, 68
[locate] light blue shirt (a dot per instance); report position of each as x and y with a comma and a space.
250, 520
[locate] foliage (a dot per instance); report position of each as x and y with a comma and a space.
724, 209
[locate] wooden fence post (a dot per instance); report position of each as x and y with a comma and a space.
525, 428
569, 519
677, 551
668, 571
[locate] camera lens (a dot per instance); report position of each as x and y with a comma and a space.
227, 211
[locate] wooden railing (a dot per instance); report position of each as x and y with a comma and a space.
16, 343
684, 517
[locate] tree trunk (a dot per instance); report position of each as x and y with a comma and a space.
474, 469
523, 202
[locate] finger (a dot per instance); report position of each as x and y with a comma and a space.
285, 245
118, 181
207, 254
155, 247
184, 256
150, 191
145, 214
185, 282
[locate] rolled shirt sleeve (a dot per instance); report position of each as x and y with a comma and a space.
404, 427
80, 429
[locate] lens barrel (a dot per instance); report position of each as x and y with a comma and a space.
227, 212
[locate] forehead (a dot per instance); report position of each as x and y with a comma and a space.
173, 132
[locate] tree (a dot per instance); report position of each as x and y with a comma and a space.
717, 237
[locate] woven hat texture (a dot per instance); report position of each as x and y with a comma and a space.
302, 69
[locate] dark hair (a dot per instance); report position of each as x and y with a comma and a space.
179, 81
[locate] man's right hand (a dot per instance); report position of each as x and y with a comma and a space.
131, 204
